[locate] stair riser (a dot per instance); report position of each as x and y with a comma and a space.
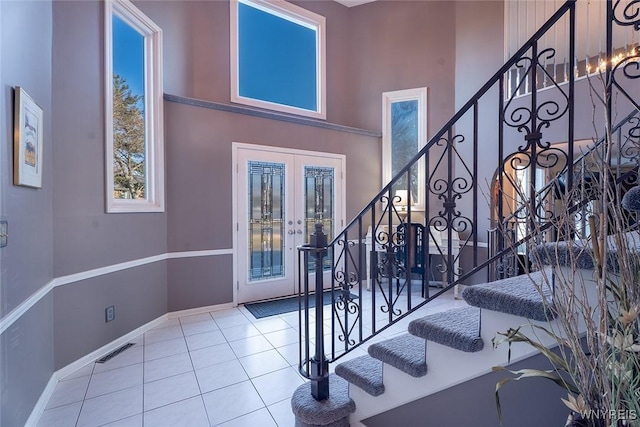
459, 366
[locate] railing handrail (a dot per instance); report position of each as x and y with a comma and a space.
497, 77
591, 149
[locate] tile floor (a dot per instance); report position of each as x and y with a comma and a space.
223, 368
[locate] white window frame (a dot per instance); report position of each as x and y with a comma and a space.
153, 99
298, 16
389, 98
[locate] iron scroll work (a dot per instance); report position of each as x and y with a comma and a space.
375, 277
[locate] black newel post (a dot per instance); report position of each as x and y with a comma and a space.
319, 364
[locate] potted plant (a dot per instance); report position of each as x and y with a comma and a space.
595, 296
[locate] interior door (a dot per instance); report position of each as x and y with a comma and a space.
280, 197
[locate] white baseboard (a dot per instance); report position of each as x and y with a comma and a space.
200, 310
41, 405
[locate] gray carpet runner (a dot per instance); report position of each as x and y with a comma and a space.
331, 412
580, 252
364, 372
458, 328
405, 352
516, 295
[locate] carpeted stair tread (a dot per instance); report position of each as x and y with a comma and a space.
331, 412
405, 352
458, 328
364, 372
515, 295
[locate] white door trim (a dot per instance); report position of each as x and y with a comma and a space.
235, 146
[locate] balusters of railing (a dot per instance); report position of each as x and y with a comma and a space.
316, 368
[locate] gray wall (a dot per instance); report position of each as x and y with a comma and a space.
373, 48
26, 347
85, 236
401, 45
138, 294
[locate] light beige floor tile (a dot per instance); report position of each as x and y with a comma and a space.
158, 369
208, 356
199, 327
195, 318
205, 339
164, 349
252, 345
220, 375
61, 416
282, 414
135, 421
114, 380
271, 324
261, 417
263, 363
111, 407
231, 402
69, 391
186, 413
282, 337
278, 385
170, 390
163, 334
235, 333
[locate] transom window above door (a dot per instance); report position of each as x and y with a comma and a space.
278, 57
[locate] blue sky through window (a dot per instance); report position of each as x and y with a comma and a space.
128, 55
277, 59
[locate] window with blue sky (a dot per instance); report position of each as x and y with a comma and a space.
277, 57
128, 55
134, 134
404, 133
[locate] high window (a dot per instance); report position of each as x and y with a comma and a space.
404, 133
134, 136
278, 57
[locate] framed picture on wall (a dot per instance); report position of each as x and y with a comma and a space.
27, 144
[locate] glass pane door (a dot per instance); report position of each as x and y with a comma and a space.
280, 198
319, 188
266, 220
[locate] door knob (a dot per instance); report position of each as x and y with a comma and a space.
299, 221
299, 232
290, 232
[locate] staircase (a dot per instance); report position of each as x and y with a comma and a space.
447, 348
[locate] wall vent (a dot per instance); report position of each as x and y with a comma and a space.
114, 353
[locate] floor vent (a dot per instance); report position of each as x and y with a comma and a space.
114, 353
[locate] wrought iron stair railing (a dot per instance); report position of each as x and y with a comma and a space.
515, 227
372, 278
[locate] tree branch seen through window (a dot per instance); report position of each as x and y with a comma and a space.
128, 142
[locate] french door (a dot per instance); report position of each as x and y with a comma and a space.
280, 196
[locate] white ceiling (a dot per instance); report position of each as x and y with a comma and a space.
352, 3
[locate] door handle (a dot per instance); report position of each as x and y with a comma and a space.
299, 231
290, 232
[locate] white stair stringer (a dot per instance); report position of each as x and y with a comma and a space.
448, 367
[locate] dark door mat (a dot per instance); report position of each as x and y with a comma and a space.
285, 305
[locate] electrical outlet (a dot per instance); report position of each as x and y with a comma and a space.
109, 313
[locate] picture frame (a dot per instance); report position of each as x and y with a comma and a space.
27, 140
